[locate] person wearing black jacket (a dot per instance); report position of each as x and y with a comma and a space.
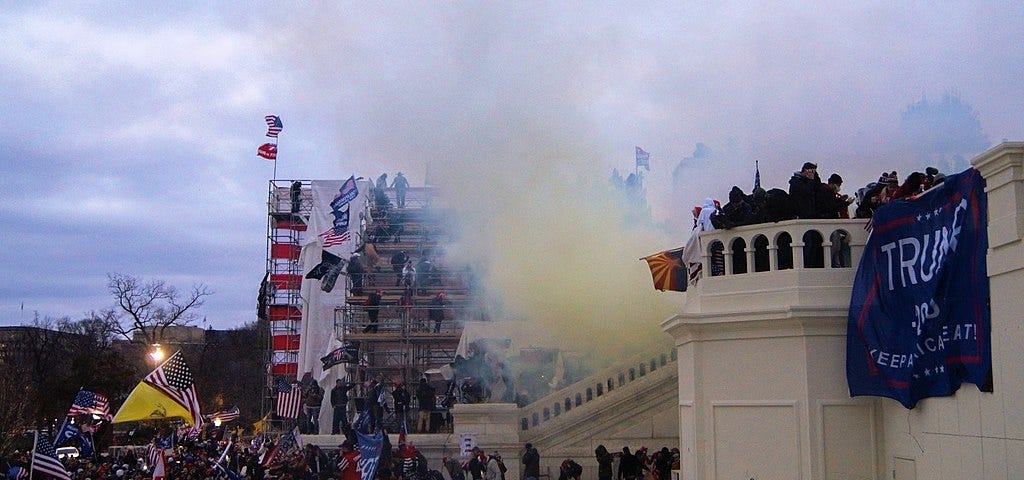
630, 467
477, 464
401, 397
373, 311
663, 463
339, 402
425, 395
398, 261
604, 463
804, 189
531, 462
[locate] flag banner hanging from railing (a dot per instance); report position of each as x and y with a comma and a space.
919, 322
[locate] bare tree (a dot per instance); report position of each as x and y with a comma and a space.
148, 308
15, 406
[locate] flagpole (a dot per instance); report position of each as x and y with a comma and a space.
276, 154
32, 457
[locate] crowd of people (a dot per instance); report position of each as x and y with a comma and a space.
808, 197
388, 404
223, 453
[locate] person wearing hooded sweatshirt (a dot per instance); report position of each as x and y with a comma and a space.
604, 463
531, 462
692, 252
737, 212
629, 467
663, 464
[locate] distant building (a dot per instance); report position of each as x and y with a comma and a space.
17, 343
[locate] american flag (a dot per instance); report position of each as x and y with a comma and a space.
44, 458
157, 448
289, 398
225, 416
643, 159
89, 403
174, 379
274, 125
331, 238
288, 445
153, 453
191, 434
17, 473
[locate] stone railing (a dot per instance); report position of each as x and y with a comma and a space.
792, 244
594, 386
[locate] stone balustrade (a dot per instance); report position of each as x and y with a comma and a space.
792, 244
594, 387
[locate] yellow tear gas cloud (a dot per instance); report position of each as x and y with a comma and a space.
546, 230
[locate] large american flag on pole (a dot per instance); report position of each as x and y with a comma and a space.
274, 125
289, 398
174, 379
90, 403
44, 458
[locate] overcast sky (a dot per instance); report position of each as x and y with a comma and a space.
131, 131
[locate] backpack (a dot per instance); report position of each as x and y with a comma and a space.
501, 466
575, 469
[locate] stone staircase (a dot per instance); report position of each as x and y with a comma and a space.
641, 408
633, 403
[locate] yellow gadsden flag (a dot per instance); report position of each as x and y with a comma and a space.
167, 392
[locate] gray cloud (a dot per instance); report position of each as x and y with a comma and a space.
131, 134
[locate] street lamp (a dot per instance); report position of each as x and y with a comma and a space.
156, 354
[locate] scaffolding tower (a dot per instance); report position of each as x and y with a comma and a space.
414, 333
288, 207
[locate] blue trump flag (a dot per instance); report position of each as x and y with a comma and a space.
919, 320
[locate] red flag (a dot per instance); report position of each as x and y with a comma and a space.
268, 151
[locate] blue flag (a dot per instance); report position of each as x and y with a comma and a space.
370, 446
919, 323
68, 432
85, 446
346, 193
